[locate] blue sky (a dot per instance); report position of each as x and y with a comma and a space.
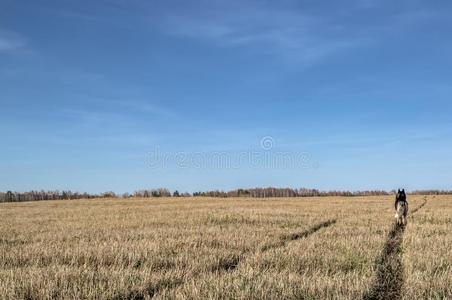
89, 90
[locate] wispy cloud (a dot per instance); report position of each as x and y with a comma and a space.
288, 33
145, 107
294, 30
118, 111
10, 41
90, 117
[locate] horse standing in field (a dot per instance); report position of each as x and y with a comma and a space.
401, 207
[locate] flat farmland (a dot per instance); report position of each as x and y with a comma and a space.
240, 248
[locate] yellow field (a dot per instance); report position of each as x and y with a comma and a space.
190, 248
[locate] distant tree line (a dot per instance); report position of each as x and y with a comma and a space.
43, 195
10, 196
431, 192
158, 193
268, 192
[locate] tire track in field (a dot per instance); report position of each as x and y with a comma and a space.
389, 278
232, 263
228, 264
285, 239
420, 206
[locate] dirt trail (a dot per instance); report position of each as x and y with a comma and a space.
285, 239
232, 263
306, 233
389, 277
389, 281
420, 206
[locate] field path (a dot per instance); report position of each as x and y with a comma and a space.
420, 206
285, 239
231, 264
389, 277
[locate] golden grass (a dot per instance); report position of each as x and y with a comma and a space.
428, 251
187, 248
